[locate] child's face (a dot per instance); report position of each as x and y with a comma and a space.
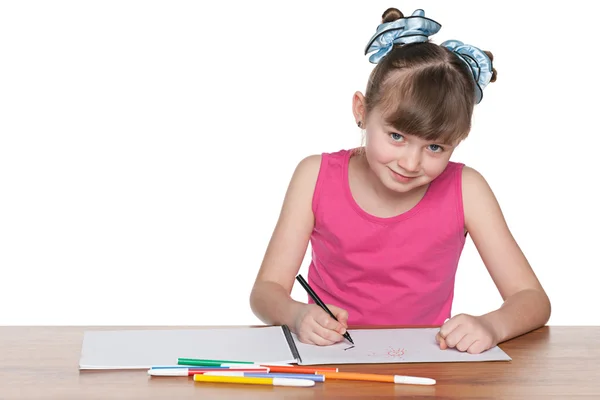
403, 162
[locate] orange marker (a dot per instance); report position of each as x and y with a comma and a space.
353, 376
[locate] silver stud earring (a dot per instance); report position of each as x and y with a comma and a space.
359, 124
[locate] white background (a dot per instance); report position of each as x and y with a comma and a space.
146, 147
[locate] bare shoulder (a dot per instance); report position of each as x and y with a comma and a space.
305, 175
479, 202
472, 180
475, 187
302, 185
308, 167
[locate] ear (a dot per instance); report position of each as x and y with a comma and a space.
358, 108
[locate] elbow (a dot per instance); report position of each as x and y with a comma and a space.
252, 299
547, 308
257, 300
539, 306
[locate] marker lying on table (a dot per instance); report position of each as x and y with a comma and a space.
274, 367
193, 371
293, 369
218, 363
255, 381
353, 376
311, 377
216, 367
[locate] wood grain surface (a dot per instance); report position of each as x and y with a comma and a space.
551, 362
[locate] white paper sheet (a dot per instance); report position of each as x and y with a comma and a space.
140, 349
391, 346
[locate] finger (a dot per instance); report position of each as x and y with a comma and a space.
443, 344
324, 320
319, 341
305, 337
341, 315
456, 336
465, 342
343, 321
476, 347
308, 336
326, 333
440, 340
449, 325
324, 337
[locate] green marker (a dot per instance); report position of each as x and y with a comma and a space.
208, 363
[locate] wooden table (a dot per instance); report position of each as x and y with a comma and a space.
551, 362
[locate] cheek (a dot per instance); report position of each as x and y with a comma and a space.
378, 150
435, 166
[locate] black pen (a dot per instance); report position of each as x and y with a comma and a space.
317, 300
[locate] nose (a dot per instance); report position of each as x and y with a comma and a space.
410, 160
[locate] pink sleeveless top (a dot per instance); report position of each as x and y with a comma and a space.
386, 271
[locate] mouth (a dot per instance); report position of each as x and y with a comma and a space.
400, 177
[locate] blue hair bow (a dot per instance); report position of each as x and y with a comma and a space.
478, 62
417, 28
413, 29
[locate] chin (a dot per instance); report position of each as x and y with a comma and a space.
401, 183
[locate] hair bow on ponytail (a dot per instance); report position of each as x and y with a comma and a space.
479, 63
415, 28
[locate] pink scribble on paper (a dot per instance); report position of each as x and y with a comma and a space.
395, 352
389, 353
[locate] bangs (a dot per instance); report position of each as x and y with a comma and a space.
431, 102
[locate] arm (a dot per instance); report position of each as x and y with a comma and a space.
270, 297
526, 305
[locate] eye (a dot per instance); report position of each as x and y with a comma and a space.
436, 148
396, 137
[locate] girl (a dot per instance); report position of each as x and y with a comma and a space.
387, 222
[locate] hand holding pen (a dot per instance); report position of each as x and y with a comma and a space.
322, 330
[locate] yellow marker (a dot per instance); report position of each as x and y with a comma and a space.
255, 381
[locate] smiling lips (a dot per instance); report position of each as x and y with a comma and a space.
401, 178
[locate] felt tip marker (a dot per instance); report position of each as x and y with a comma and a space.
320, 303
311, 377
218, 363
353, 376
255, 381
217, 368
293, 369
192, 371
